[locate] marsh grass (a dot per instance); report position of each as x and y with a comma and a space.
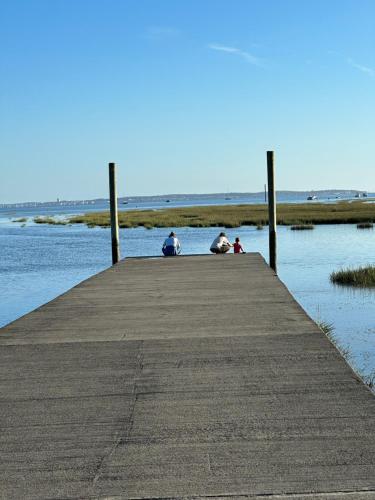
232, 216
365, 225
329, 330
302, 227
363, 277
326, 328
44, 220
369, 379
347, 354
50, 220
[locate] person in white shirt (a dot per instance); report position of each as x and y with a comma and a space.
171, 245
220, 244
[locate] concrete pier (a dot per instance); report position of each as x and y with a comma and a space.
185, 377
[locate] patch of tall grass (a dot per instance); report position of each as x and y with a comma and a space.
326, 328
363, 277
50, 220
329, 330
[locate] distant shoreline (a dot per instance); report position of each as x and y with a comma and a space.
323, 194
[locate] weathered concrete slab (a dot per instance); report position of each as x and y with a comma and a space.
187, 377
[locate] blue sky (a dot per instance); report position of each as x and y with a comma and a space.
185, 95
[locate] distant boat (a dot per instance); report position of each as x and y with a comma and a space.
228, 198
124, 202
312, 197
364, 195
167, 201
357, 195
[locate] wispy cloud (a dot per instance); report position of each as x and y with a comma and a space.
365, 69
250, 58
161, 32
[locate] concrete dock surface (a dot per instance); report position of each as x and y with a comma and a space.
185, 377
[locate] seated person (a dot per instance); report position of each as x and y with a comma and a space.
237, 247
171, 245
220, 244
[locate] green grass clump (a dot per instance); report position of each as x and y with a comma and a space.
21, 219
365, 225
346, 352
44, 220
369, 380
302, 227
361, 277
329, 330
50, 220
236, 215
326, 328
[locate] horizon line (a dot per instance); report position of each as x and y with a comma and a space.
166, 195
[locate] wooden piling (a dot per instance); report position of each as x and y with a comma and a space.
272, 221
114, 214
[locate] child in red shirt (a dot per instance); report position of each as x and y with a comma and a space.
238, 247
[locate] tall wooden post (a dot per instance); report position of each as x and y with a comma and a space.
114, 214
272, 221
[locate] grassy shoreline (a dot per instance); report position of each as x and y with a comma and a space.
233, 215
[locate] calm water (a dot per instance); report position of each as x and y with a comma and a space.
40, 262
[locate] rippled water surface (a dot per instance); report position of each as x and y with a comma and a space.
40, 262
